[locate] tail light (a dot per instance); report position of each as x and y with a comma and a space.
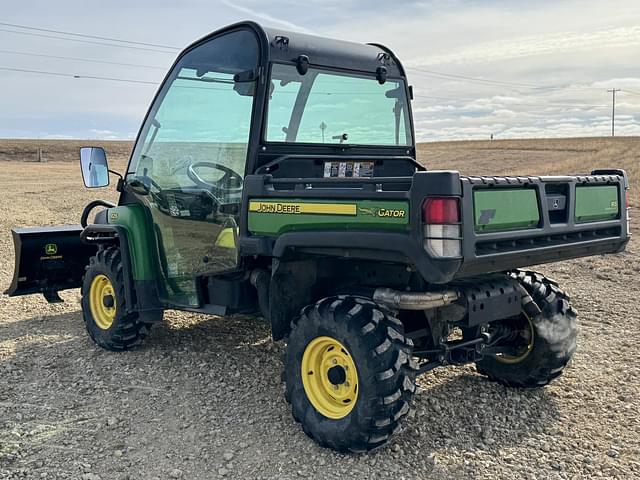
441, 226
628, 212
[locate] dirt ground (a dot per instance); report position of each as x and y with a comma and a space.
203, 399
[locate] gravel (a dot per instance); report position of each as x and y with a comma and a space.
202, 399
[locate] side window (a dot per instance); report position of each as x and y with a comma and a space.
201, 114
201, 119
191, 157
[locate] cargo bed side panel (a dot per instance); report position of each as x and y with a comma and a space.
505, 209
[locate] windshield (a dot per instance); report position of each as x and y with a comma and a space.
324, 106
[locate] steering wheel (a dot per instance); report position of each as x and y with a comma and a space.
217, 187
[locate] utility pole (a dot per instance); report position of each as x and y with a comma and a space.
613, 111
323, 127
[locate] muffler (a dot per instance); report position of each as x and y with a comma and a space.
415, 300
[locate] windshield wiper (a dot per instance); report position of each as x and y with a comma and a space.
343, 137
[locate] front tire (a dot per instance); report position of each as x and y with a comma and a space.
348, 372
551, 337
104, 305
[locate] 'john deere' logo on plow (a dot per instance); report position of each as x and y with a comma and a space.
51, 249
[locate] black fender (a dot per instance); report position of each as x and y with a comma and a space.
112, 235
141, 296
291, 287
382, 246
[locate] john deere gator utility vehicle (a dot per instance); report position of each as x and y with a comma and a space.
276, 172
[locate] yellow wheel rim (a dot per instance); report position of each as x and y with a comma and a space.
102, 301
329, 377
511, 359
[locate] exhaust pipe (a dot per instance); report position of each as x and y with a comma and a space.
415, 300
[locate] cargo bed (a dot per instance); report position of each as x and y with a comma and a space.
520, 221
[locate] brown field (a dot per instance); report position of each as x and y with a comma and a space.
59, 150
202, 398
537, 157
498, 157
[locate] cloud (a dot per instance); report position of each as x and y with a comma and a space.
56, 136
265, 16
574, 49
550, 43
99, 134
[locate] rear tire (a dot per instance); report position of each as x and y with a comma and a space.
104, 304
359, 333
553, 342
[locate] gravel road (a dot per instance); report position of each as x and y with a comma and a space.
202, 399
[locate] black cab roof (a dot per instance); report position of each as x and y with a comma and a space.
287, 46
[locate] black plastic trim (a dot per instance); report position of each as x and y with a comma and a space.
142, 299
392, 247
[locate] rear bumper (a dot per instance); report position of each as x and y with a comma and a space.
499, 262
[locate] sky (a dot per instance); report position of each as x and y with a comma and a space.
514, 69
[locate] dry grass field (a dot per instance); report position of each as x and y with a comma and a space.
202, 398
536, 157
58, 150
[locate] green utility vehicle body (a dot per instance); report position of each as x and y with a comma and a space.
276, 173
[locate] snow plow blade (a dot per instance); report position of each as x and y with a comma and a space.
48, 260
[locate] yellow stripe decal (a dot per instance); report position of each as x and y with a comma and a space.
296, 208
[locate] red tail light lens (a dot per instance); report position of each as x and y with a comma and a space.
441, 226
441, 211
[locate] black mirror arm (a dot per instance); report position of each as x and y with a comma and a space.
120, 184
116, 173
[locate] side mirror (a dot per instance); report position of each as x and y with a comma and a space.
94, 166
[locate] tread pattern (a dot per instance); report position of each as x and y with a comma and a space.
386, 371
128, 330
555, 333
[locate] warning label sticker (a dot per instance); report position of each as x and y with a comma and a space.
348, 169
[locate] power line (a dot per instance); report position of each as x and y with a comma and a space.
498, 101
72, 75
493, 82
26, 27
85, 41
631, 92
125, 80
58, 57
437, 74
484, 81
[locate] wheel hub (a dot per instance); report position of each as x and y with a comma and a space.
108, 301
337, 375
102, 301
519, 339
329, 377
